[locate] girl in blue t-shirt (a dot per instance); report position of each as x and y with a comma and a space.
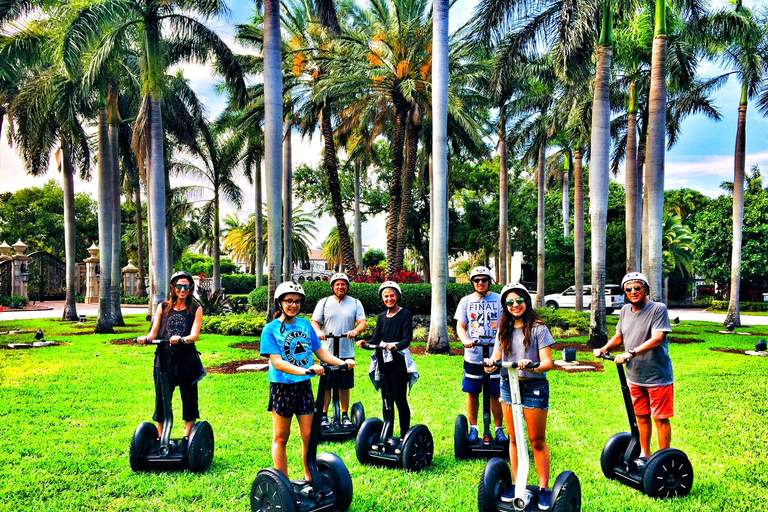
290, 341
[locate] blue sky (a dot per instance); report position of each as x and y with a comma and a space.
702, 159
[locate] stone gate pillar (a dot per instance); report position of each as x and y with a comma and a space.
92, 274
20, 269
130, 280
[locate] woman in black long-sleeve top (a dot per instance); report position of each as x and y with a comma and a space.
394, 331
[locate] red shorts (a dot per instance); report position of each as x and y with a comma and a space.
657, 401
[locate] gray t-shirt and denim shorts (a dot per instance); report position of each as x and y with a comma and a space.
481, 316
339, 318
534, 390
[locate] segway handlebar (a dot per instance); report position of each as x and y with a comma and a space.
607, 357
164, 341
337, 336
329, 368
509, 364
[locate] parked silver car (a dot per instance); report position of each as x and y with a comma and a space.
614, 298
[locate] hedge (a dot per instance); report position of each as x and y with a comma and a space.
235, 284
134, 300
722, 305
234, 325
14, 301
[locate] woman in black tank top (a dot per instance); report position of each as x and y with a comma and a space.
178, 319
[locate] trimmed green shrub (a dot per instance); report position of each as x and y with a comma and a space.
722, 305
134, 300
239, 303
565, 319
238, 283
234, 325
14, 301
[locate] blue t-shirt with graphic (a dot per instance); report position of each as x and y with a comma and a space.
296, 345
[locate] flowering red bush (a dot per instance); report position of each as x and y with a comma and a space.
379, 275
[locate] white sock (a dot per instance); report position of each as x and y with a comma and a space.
473, 427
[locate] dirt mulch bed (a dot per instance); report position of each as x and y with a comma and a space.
55, 344
421, 350
580, 347
684, 341
232, 366
128, 341
728, 350
682, 332
249, 345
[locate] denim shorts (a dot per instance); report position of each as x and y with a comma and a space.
533, 392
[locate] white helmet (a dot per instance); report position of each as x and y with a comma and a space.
286, 288
480, 271
394, 286
339, 276
518, 288
635, 276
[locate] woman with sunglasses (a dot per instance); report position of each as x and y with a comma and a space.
178, 320
523, 337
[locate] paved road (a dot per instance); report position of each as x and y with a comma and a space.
93, 309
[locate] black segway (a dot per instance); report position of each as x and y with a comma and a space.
336, 431
486, 446
331, 485
496, 478
666, 474
148, 452
376, 444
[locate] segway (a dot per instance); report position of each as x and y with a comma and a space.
375, 443
666, 474
496, 478
336, 431
487, 446
148, 452
331, 485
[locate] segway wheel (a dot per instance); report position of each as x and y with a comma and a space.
460, 441
369, 433
358, 415
495, 480
271, 490
201, 446
336, 476
669, 474
418, 448
142, 442
566, 493
613, 452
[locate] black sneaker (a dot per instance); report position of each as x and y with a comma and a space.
345, 421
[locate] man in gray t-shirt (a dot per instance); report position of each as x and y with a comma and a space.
477, 319
339, 314
643, 328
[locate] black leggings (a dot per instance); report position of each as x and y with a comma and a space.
189, 401
395, 388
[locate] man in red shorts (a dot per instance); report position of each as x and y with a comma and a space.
643, 328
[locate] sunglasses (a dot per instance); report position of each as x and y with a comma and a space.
512, 302
183, 286
481, 280
292, 302
633, 289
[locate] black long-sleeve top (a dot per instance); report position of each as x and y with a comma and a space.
397, 329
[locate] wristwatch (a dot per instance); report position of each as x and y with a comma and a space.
632, 352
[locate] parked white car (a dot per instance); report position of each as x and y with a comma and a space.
614, 298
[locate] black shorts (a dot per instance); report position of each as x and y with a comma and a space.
291, 399
345, 378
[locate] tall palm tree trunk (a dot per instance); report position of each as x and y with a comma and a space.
599, 179
438, 326
358, 238
287, 205
216, 242
395, 181
654, 171
259, 266
156, 194
634, 186
578, 227
141, 290
334, 188
413, 130
503, 202
113, 129
567, 196
106, 320
68, 186
540, 238
273, 138
733, 315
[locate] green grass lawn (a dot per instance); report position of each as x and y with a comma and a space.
68, 413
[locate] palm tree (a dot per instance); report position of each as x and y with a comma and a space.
739, 38
108, 24
331, 249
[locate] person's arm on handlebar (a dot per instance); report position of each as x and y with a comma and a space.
329, 358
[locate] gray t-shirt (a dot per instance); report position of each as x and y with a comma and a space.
540, 338
339, 318
652, 368
481, 314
